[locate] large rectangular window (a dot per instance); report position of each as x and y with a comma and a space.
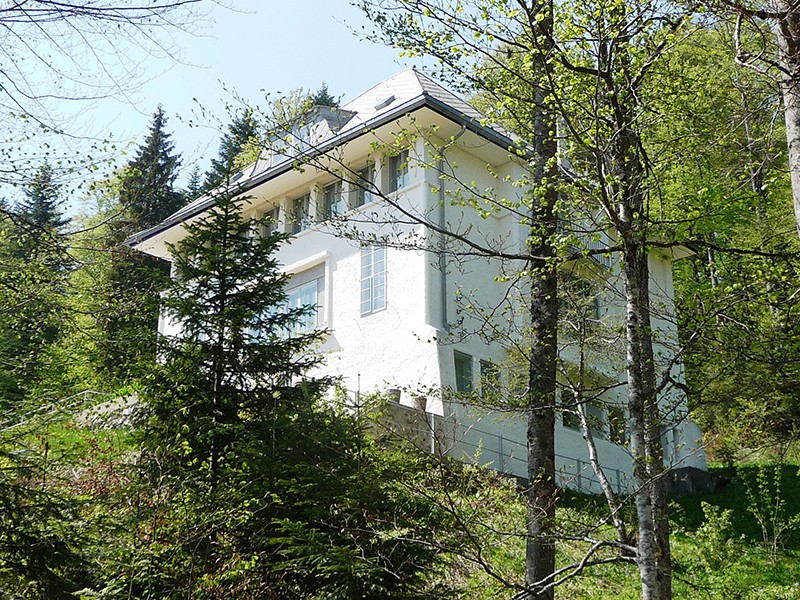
335, 204
397, 171
306, 289
373, 279
463, 367
304, 296
300, 213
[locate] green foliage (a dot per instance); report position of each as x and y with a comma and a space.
725, 192
33, 268
251, 485
132, 282
322, 97
715, 545
767, 504
235, 149
147, 189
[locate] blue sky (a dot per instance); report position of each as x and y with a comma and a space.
259, 47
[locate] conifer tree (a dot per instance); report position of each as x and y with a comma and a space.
147, 196
148, 191
322, 97
265, 489
33, 264
41, 207
242, 132
194, 186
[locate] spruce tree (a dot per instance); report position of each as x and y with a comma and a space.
322, 97
264, 489
148, 191
241, 133
147, 196
194, 186
41, 207
33, 265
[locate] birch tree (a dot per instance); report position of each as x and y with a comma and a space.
767, 39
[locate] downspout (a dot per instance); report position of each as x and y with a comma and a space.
442, 224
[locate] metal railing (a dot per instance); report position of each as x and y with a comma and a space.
464, 439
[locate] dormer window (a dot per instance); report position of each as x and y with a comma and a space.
384, 103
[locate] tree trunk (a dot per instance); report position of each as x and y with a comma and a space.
540, 555
787, 33
594, 458
540, 549
653, 551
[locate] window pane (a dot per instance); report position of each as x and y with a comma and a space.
334, 201
302, 296
366, 299
270, 226
363, 185
463, 365
616, 425
373, 279
300, 220
398, 171
379, 291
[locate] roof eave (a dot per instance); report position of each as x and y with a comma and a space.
425, 100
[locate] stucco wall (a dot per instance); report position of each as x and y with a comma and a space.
430, 313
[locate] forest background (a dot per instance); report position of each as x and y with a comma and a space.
113, 511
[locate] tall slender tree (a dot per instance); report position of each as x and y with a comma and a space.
147, 195
34, 263
41, 208
148, 191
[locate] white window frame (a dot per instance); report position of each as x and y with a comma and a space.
373, 279
334, 201
397, 172
301, 220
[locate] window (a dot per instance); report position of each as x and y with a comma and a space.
373, 279
397, 168
463, 365
334, 201
300, 297
616, 425
490, 378
594, 418
270, 223
578, 303
363, 185
306, 289
300, 213
570, 417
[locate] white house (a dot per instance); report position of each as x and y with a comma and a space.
366, 189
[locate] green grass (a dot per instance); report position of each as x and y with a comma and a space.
717, 544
